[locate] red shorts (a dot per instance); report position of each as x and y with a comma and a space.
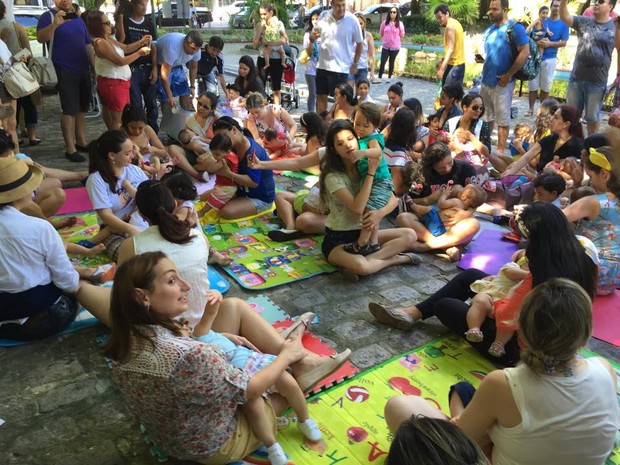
114, 93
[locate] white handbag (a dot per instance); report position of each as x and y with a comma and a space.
19, 81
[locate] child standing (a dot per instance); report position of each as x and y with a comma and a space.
366, 123
273, 32
225, 188
251, 361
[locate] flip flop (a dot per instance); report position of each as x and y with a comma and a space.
310, 379
304, 319
415, 258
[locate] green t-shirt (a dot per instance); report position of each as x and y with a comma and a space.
383, 170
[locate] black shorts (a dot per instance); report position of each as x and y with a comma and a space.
74, 90
327, 81
333, 239
275, 70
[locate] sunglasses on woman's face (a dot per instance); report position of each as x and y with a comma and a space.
204, 105
393, 12
477, 107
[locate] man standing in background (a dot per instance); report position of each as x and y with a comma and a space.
451, 70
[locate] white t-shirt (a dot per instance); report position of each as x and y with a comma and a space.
119, 201
338, 41
5, 56
170, 49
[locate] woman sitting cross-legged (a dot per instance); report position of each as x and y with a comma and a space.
552, 251
554, 408
345, 195
440, 171
195, 404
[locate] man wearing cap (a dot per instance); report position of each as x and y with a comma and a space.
36, 274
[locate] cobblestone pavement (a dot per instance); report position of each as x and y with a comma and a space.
57, 397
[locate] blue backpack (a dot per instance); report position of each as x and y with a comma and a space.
531, 68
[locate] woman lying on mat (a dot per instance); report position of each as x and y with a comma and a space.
440, 170
112, 187
554, 408
187, 393
182, 241
598, 215
257, 189
345, 195
552, 251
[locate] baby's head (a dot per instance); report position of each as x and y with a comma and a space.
180, 184
418, 149
220, 146
362, 88
412, 175
270, 134
548, 186
581, 192
522, 131
234, 91
185, 136
433, 122
472, 196
543, 12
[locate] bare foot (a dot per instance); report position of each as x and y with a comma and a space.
99, 248
454, 253
64, 222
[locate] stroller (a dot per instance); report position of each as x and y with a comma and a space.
289, 95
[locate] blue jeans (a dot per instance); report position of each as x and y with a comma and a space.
141, 88
588, 96
60, 315
453, 75
361, 74
311, 82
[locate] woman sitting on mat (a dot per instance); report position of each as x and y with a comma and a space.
552, 251
345, 195
256, 188
555, 408
598, 216
182, 241
263, 116
163, 373
112, 187
441, 170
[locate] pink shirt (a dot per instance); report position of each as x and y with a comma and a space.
391, 35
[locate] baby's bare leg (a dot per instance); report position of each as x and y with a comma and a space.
289, 389
254, 410
481, 307
266, 53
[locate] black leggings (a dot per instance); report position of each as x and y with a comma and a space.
448, 304
385, 54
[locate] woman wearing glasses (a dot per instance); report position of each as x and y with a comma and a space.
392, 30
471, 137
112, 60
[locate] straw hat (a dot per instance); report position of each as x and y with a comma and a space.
17, 179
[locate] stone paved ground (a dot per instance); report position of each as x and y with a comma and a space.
57, 398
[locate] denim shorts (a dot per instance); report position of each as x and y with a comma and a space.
260, 205
361, 74
454, 75
588, 96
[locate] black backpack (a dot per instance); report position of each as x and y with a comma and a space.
531, 68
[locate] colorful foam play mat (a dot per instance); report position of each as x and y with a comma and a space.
350, 415
259, 262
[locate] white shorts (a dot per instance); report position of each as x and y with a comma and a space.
545, 78
497, 102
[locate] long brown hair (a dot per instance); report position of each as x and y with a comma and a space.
126, 313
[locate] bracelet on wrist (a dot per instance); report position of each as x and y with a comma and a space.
372, 175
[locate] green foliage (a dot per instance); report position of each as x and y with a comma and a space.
419, 24
253, 7
426, 39
466, 11
32, 32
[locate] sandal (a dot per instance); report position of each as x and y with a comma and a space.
497, 349
355, 248
304, 319
474, 335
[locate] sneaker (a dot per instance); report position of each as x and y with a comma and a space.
310, 430
75, 157
276, 455
283, 235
